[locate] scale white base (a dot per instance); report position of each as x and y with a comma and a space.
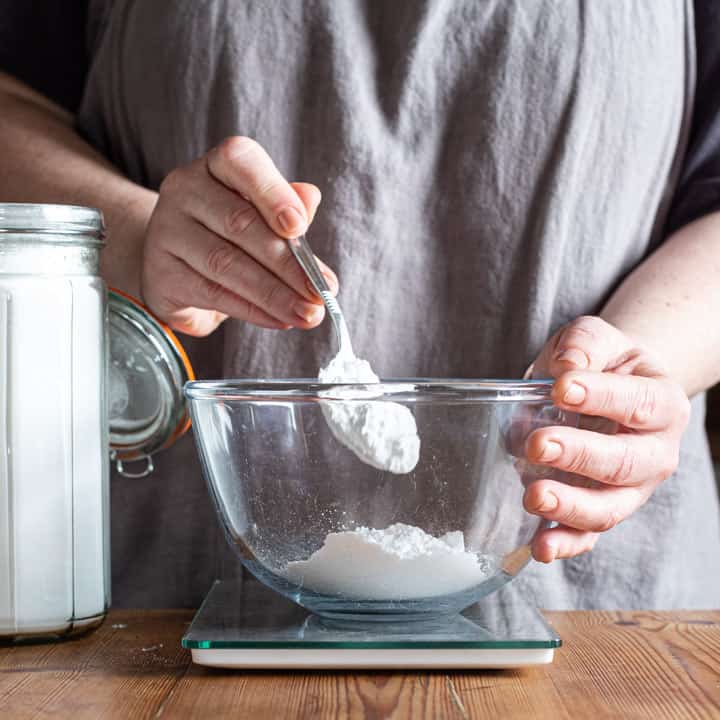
247, 626
385, 659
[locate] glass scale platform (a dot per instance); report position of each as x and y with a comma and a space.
246, 625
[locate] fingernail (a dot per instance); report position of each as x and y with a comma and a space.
551, 451
574, 357
548, 502
575, 394
307, 311
291, 221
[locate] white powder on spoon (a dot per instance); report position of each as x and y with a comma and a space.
381, 433
400, 562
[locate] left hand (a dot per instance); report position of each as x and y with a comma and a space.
601, 372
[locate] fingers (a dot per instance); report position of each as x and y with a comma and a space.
197, 305
587, 343
228, 216
639, 403
221, 226
624, 459
527, 418
562, 542
615, 387
242, 165
223, 268
310, 195
594, 509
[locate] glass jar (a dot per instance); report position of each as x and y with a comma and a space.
58, 423
54, 529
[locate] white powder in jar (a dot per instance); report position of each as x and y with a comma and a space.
382, 434
54, 529
400, 562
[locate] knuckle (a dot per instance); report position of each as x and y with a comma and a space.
238, 220
212, 290
643, 408
586, 326
270, 294
611, 520
287, 264
173, 182
571, 514
235, 147
220, 259
605, 400
580, 461
589, 322
625, 467
266, 186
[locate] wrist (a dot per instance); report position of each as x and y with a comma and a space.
122, 258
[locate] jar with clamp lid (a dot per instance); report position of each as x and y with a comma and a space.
84, 376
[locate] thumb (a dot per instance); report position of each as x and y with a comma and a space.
587, 343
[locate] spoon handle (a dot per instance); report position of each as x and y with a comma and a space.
305, 256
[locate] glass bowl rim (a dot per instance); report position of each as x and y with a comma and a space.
397, 389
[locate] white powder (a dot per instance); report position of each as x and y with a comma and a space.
381, 433
53, 452
401, 562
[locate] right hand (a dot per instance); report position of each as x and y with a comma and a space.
216, 244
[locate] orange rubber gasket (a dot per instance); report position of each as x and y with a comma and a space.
182, 428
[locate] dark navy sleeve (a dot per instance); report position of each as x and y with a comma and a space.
698, 191
42, 43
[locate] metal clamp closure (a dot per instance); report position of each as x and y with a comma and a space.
120, 467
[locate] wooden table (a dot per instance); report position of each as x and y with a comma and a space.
612, 665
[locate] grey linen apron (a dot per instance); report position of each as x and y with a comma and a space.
495, 166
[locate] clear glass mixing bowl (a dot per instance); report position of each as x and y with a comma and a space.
282, 482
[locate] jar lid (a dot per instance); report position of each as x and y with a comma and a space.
147, 371
59, 222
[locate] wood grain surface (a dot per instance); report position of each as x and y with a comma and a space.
612, 665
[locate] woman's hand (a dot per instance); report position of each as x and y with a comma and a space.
600, 372
216, 244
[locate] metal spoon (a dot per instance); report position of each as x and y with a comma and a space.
305, 256
342, 417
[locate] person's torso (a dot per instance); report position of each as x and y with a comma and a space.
490, 170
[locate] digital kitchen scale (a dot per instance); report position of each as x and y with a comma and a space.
246, 625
